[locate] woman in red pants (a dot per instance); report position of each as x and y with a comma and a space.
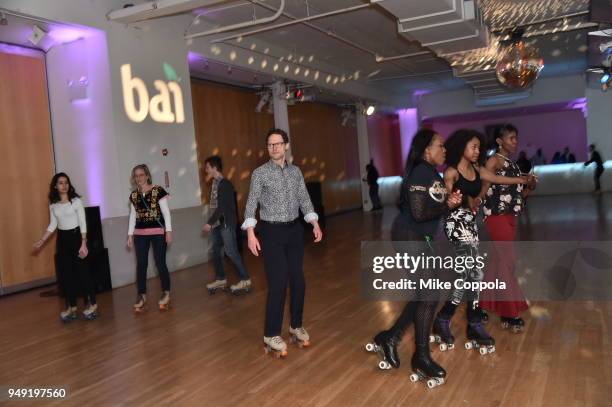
502, 206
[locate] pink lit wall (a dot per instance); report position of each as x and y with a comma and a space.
385, 143
551, 131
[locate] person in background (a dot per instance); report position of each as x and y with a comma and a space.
538, 158
599, 169
67, 215
149, 225
523, 163
568, 156
557, 158
372, 180
222, 224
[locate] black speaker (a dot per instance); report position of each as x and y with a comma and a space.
99, 267
95, 241
97, 260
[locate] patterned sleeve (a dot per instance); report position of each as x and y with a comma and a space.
161, 193
421, 206
252, 201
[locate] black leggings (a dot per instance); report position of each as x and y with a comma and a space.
75, 275
420, 310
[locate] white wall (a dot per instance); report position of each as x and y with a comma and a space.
97, 144
545, 90
83, 137
599, 120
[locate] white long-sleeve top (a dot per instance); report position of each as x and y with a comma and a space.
165, 210
67, 216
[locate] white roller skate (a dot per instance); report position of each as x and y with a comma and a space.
140, 304
300, 337
69, 314
216, 286
164, 301
91, 312
242, 286
275, 345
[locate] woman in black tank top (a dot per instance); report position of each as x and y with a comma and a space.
465, 174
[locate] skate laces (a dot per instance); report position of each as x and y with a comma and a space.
277, 340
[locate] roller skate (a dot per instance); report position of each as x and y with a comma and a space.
516, 325
425, 368
140, 304
216, 286
275, 345
69, 314
242, 286
299, 336
478, 338
91, 312
484, 317
442, 334
386, 346
164, 301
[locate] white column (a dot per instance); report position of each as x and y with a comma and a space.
281, 114
364, 154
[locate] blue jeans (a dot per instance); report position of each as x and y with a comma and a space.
224, 237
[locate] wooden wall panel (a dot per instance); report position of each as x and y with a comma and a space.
385, 143
26, 167
226, 124
327, 152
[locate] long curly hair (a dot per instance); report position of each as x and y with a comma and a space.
456, 143
54, 195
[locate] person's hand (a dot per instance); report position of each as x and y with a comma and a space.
168, 237
207, 228
253, 243
38, 244
83, 252
316, 230
130, 241
475, 204
532, 181
454, 199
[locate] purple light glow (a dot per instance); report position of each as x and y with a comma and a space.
409, 124
63, 34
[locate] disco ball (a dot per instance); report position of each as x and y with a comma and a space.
519, 66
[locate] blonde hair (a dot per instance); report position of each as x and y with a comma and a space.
145, 168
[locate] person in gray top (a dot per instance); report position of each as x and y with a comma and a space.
278, 188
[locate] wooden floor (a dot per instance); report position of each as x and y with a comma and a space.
207, 351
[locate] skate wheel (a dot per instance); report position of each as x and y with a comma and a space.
384, 365
492, 349
432, 339
280, 354
468, 345
451, 346
431, 383
505, 325
483, 351
443, 347
370, 347
414, 378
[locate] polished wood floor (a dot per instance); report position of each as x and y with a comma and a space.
206, 351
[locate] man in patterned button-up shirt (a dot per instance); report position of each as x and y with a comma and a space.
279, 189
